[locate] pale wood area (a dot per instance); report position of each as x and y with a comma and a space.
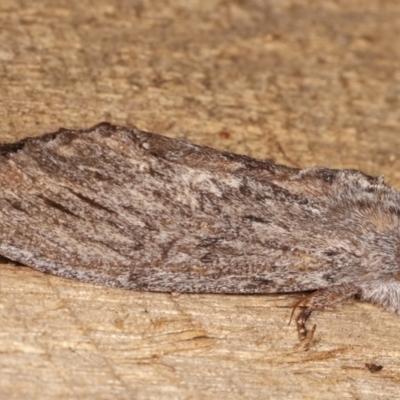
300, 82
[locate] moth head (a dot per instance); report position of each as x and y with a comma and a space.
381, 282
384, 292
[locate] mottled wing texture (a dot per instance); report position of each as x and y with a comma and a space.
132, 209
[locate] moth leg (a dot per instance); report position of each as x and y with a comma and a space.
318, 301
301, 323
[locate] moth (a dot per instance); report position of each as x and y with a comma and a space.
131, 209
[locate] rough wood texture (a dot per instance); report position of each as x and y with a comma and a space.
304, 83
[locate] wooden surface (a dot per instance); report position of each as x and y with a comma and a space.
300, 82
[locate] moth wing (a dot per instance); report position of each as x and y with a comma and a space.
133, 209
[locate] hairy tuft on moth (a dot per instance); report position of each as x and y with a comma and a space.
131, 209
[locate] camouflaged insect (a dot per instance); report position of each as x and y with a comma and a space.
135, 210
